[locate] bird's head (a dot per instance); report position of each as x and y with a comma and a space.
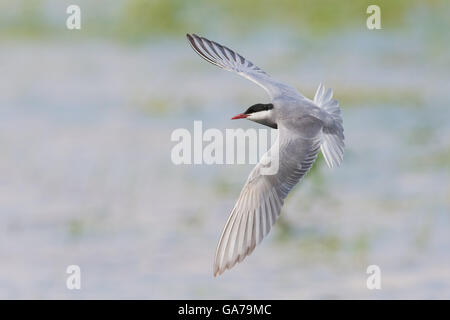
260, 113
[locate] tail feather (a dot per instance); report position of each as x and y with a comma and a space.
333, 134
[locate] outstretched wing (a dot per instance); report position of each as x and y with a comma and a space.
262, 197
230, 60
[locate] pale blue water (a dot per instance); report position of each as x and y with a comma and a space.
86, 176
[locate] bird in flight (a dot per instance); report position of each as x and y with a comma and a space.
304, 126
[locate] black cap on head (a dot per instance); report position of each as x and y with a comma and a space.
259, 107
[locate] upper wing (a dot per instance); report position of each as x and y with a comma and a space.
230, 60
262, 197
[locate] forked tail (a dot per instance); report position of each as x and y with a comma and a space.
333, 133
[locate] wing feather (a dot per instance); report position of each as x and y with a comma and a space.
260, 201
230, 60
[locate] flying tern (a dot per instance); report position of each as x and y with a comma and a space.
304, 126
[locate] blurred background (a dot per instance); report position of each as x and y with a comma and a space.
85, 171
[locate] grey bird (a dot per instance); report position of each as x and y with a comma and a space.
304, 126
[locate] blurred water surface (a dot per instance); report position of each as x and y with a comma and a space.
86, 176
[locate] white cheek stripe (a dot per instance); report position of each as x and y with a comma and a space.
260, 115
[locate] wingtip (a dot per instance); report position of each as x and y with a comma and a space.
215, 269
192, 38
219, 270
192, 35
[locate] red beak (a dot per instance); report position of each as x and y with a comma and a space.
240, 116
